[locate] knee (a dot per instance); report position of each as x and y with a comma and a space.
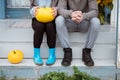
60, 21
95, 24
95, 21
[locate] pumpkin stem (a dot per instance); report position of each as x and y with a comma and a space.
14, 52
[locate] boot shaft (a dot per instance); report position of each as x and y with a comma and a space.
36, 50
52, 51
86, 51
68, 53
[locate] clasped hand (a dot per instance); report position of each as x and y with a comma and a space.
77, 16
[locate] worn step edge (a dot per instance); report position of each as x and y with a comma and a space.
75, 62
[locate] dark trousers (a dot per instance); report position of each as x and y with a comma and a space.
39, 29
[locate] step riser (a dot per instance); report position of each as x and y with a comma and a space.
104, 73
99, 51
26, 35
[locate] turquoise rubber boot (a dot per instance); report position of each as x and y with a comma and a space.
52, 58
37, 59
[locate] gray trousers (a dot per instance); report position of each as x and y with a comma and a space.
64, 25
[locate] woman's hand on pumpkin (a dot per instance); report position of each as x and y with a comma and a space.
54, 11
37, 7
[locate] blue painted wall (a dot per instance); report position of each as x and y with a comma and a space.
17, 13
13, 12
2, 9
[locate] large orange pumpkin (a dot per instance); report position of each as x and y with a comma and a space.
44, 14
15, 56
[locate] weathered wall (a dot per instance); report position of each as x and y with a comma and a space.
18, 3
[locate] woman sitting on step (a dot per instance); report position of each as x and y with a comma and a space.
39, 29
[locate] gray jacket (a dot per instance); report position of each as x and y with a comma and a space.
88, 7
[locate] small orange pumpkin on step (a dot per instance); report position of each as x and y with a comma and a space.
15, 56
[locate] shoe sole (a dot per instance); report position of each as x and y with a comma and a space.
86, 64
38, 64
65, 64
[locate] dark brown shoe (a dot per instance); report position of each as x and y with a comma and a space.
86, 57
67, 57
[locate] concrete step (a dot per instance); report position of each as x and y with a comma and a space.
9, 34
100, 51
18, 34
104, 69
26, 35
31, 73
21, 38
19, 30
75, 62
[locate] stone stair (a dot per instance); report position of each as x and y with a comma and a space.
18, 34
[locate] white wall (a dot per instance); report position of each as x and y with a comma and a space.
114, 13
118, 57
18, 3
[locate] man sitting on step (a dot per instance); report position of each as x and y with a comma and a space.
77, 15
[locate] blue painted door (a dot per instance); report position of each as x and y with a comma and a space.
17, 9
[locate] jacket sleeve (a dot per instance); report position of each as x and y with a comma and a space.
63, 9
32, 11
32, 8
93, 10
